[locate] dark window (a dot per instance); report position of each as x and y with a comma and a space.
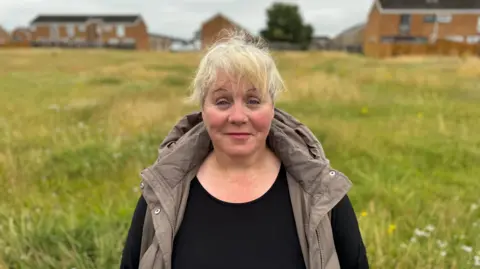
404, 26
429, 18
404, 39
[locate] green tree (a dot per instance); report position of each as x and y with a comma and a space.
285, 24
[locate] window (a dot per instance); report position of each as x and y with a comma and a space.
404, 39
455, 38
404, 26
473, 39
54, 31
70, 30
82, 28
429, 18
120, 30
444, 18
478, 24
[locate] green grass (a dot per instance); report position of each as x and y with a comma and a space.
76, 127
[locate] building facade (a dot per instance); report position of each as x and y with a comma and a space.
211, 30
422, 22
109, 31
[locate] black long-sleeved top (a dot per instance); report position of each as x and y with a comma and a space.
258, 234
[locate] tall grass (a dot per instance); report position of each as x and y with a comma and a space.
76, 127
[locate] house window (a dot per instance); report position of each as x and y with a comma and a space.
473, 39
404, 39
120, 30
82, 28
70, 30
444, 18
478, 24
54, 31
455, 38
429, 18
404, 26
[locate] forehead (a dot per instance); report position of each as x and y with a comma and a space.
230, 84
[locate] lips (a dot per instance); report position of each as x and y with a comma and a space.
238, 135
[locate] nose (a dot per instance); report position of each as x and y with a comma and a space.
238, 114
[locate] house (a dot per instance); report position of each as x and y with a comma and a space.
320, 43
4, 36
211, 30
421, 22
21, 34
110, 31
350, 39
160, 42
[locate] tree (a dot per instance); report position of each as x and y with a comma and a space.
285, 24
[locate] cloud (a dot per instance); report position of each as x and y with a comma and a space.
181, 18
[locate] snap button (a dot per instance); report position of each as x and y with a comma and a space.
157, 211
332, 173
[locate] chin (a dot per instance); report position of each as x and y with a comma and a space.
239, 150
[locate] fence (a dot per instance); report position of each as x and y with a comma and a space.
15, 44
441, 47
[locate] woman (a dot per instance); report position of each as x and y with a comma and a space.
242, 184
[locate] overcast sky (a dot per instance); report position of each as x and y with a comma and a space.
181, 18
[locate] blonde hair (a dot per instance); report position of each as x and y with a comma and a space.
238, 55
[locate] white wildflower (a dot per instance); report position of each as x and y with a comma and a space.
419, 232
441, 243
473, 207
413, 239
443, 253
430, 228
466, 248
476, 260
54, 107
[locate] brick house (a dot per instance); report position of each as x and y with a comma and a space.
4, 36
422, 22
111, 31
21, 34
211, 29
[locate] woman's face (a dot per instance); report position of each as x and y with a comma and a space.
237, 117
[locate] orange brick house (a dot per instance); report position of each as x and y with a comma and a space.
111, 31
4, 36
421, 22
212, 28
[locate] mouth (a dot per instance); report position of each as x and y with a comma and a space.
238, 135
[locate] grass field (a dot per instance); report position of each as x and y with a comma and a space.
76, 127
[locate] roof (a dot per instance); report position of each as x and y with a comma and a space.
240, 27
174, 39
430, 5
85, 18
352, 29
4, 32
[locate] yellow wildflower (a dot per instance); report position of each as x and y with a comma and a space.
391, 228
363, 213
364, 110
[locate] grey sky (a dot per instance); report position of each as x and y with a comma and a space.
180, 18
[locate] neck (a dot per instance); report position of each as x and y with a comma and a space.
241, 164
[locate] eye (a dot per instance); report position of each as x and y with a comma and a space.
222, 103
253, 101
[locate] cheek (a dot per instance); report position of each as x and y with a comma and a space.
214, 119
261, 120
